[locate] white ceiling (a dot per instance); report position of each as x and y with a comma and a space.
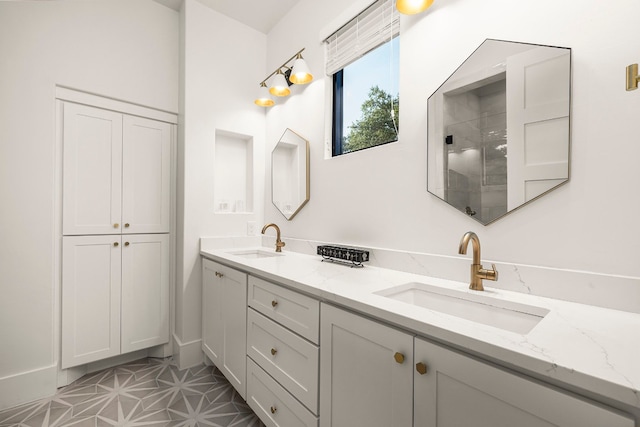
261, 15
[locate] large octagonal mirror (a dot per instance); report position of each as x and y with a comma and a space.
290, 174
499, 128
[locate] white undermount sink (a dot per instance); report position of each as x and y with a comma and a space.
254, 253
507, 315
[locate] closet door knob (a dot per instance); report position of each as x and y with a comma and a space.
399, 357
421, 368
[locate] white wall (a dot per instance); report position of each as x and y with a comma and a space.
224, 61
588, 224
118, 48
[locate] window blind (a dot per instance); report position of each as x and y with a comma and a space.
376, 25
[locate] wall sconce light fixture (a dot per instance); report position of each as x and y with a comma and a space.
411, 7
264, 98
632, 77
298, 73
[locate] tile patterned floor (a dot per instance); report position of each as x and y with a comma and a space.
148, 392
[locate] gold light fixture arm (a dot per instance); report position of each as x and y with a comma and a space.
282, 66
632, 77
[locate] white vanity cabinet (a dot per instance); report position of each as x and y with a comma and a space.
366, 372
115, 296
283, 355
453, 390
116, 172
224, 321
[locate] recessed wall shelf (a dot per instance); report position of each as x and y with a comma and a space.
233, 173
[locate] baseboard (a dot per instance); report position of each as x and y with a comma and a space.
28, 386
187, 355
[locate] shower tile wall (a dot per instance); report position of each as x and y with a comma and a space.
476, 118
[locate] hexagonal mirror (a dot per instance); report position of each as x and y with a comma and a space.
499, 129
290, 174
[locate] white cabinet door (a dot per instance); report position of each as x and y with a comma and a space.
224, 326
145, 291
146, 175
361, 383
90, 299
459, 391
92, 170
212, 330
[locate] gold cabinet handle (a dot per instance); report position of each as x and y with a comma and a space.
116, 244
126, 243
116, 225
274, 409
421, 368
273, 351
399, 357
218, 274
274, 303
126, 225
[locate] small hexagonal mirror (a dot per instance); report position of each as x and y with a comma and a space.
290, 174
499, 129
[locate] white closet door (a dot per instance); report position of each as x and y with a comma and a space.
146, 175
92, 170
90, 299
145, 291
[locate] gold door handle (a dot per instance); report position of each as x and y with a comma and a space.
274, 409
218, 274
116, 244
126, 225
273, 351
126, 243
274, 303
421, 368
399, 358
116, 225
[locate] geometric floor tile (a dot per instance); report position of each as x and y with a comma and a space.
147, 392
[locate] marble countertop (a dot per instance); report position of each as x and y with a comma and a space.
592, 348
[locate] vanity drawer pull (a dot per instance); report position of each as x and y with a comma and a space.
273, 351
274, 303
399, 357
274, 409
126, 225
126, 243
116, 225
116, 244
218, 274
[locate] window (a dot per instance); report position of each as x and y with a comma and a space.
363, 58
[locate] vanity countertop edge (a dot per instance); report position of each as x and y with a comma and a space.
591, 348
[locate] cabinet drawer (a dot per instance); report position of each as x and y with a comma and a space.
291, 360
297, 312
272, 403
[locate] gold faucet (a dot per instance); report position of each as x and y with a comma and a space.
279, 243
477, 272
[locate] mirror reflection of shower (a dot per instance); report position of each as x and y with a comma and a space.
475, 123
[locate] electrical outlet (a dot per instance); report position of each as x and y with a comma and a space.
251, 228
